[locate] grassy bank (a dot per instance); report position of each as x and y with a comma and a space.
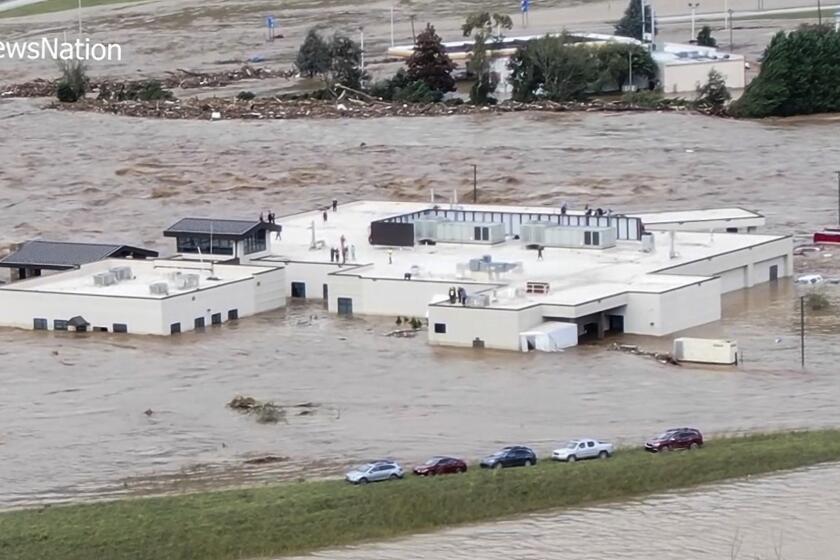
48, 6
300, 517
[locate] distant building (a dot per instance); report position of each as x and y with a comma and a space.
32, 258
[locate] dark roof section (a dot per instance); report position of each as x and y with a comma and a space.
226, 229
61, 255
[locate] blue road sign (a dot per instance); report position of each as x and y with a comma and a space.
524, 5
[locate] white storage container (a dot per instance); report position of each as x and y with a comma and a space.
706, 351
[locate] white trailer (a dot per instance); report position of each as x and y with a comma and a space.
706, 351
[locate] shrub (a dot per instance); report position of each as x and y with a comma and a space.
713, 94
817, 302
73, 82
245, 95
645, 98
66, 94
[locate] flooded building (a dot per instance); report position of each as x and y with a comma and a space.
484, 274
156, 297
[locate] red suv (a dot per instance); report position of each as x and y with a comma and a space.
677, 438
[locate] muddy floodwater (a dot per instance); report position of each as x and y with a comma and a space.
786, 516
72, 408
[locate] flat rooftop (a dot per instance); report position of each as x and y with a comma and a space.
575, 276
144, 273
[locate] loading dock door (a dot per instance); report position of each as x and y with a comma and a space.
345, 306
299, 290
774, 273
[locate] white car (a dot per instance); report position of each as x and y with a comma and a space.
375, 472
578, 449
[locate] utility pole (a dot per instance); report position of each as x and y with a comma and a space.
819, 12
475, 183
630, 70
693, 6
412, 17
730, 29
80, 18
644, 27
802, 329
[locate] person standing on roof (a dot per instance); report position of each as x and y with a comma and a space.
539, 252
335, 205
390, 256
325, 216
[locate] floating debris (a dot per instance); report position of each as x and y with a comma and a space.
661, 357
266, 460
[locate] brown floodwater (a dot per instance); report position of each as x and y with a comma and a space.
72, 422
793, 515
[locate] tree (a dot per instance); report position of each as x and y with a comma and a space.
713, 94
430, 64
614, 61
630, 25
345, 63
800, 74
704, 37
73, 82
481, 25
553, 68
313, 58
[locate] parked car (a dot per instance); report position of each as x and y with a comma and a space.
583, 449
441, 465
375, 472
514, 456
677, 438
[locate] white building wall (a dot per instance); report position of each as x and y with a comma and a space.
497, 328
662, 314
313, 275
186, 308
686, 77
269, 290
19, 308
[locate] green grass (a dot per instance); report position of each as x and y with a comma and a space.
300, 517
48, 6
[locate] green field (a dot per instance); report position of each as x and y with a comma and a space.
304, 516
48, 6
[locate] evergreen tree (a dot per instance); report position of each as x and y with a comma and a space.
713, 94
430, 64
630, 25
704, 37
313, 58
553, 68
345, 63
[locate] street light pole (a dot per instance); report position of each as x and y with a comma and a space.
838, 196
693, 6
362, 39
392, 26
819, 13
730, 29
80, 18
475, 183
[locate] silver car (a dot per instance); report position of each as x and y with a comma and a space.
375, 472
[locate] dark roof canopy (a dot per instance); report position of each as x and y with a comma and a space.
61, 255
229, 229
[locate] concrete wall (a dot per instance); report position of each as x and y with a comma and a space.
313, 275
744, 268
663, 314
269, 290
498, 328
685, 77
187, 307
385, 296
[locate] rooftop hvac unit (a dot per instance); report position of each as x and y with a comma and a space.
478, 300
187, 282
104, 279
159, 289
533, 233
121, 272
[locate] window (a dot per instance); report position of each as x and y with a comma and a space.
590, 444
199, 322
216, 319
60, 325
440, 328
100, 329
195, 244
120, 328
255, 242
174, 328
477, 233
596, 238
581, 445
587, 238
485, 234
233, 315
39, 324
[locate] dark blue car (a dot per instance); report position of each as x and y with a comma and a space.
514, 456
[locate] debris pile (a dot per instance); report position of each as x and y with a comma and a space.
181, 78
661, 357
267, 412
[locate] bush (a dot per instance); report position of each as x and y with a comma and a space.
713, 94
817, 302
151, 90
645, 98
401, 88
704, 37
73, 82
66, 94
552, 68
245, 95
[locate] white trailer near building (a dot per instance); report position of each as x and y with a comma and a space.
705, 351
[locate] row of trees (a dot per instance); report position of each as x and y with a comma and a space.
337, 60
800, 74
559, 69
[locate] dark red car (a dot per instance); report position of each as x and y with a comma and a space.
441, 465
672, 440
